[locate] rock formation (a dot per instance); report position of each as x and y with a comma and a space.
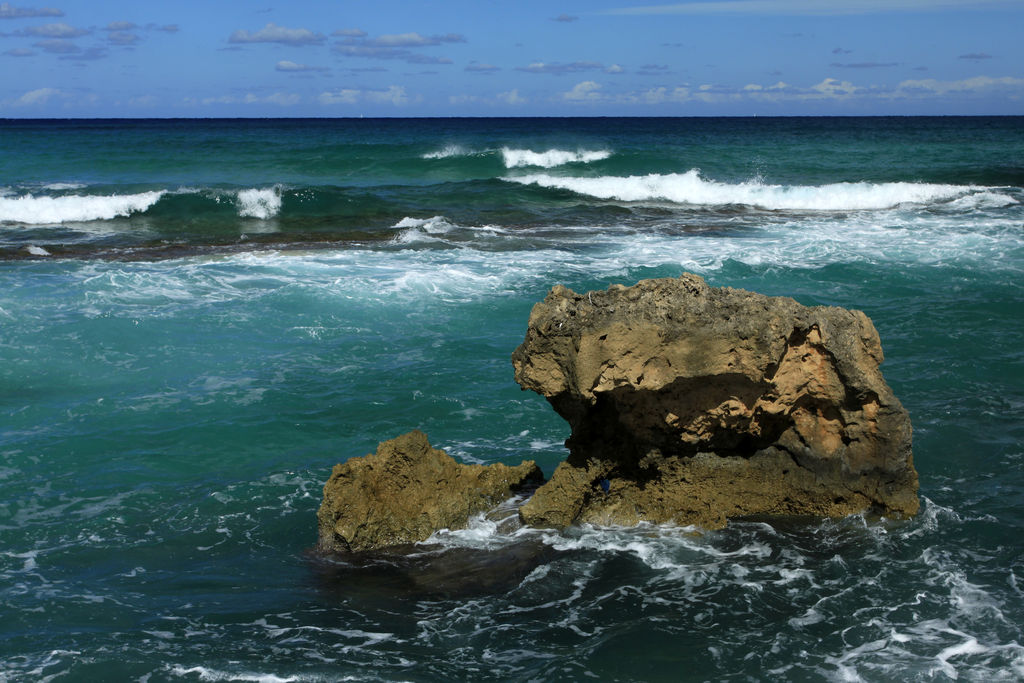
406, 491
692, 404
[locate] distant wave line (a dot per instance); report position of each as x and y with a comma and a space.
690, 188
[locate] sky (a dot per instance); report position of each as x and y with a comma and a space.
342, 58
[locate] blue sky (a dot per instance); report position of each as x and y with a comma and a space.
70, 58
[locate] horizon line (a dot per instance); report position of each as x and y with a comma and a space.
536, 116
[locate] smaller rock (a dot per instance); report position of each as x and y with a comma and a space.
406, 491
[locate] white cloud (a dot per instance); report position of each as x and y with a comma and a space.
780, 92
86, 55
614, 69
394, 95
9, 11
122, 38
272, 33
350, 32
60, 30
394, 46
661, 95
19, 52
38, 97
343, 96
836, 90
465, 99
863, 65
978, 85
810, 7
560, 68
292, 67
278, 98
482, 68
412, 40
833, 89
57, 46
511, 97
375, 52
585, 91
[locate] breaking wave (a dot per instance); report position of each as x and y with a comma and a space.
260, 203
422, 229
517, 158
522, 158
30, 209
691, 188
33, 210
446, 152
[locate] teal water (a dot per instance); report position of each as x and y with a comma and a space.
199, 318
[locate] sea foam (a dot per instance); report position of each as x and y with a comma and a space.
517, 158
262, 203
446, 152
422, 229
33, 210
691, 188
437, 224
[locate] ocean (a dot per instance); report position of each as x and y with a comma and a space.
199, 318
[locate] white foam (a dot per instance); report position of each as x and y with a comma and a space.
659, 546
63, 186
517, 158
206, 674
690, 188
486, 264
29, 557
983, 200
36, 251
422, 229
447, 151
262, 203
437, 225
480, 532
34, 210
970, 646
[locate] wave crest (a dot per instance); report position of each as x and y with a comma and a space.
518, 158
262, 203
691, 188
421, 229
33, 210
446, 152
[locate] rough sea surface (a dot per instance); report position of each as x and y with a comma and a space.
199, 318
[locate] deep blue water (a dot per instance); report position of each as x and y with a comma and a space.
199, 318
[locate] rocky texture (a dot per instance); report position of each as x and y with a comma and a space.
406, 491
694, 404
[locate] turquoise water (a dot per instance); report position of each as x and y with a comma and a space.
199, 318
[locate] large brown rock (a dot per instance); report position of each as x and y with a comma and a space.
692, 404
406, 491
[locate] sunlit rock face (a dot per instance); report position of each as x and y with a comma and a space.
692, 404
406, 491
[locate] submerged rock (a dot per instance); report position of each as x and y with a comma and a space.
406, 491
403, 573
692, 404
